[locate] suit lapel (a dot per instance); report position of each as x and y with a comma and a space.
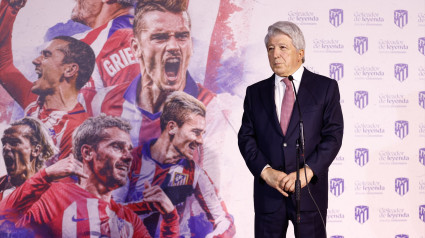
269, 102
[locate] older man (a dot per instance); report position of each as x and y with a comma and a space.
270, 129
167, 162
102, 147
26, 146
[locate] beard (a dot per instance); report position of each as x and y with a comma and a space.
83, 11
19, 179
109, 176
78, 16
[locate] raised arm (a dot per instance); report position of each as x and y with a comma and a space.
11, 78
16, 205
214, 207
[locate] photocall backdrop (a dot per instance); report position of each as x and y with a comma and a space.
376, 52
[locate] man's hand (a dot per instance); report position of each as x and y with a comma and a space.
288, 183
158, 198
64, 168
273, 178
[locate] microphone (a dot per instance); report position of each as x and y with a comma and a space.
291, 79
300, 153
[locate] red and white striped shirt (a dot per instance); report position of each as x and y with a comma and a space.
115, 61
66, 210
121, 100
221, 123
61, 124
176, 178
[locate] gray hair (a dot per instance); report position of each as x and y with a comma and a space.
289, 29
92, 132
178, 107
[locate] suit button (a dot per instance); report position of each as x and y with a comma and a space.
285, 145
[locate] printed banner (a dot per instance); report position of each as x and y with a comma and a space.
178, 168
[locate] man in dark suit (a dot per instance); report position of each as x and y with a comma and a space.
267, 137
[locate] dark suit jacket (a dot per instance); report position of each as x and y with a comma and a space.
262, 142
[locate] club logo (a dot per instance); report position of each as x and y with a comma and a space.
401, 186
336, 17
52, 132
422, 156
401, 72
401, 129
361, 44
422, 212
361, 99
180, 179
401, 236
361, 156
124, 227
361, 214
422, 99
421, 45
336, 71
400, 18
337, 186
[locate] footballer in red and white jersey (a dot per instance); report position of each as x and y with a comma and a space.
115, 61
60, 124
5, 187
222, 122
66, 210
183, 182
121, 100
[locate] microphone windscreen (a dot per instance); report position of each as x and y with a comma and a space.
290, 78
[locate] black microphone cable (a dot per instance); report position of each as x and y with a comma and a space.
302, 146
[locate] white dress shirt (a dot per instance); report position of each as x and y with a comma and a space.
279, 88
279, 92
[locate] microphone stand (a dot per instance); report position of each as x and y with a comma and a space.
300, 145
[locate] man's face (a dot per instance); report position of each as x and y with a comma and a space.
188, 137
85, 11
49, 68
164, 48
18, 153
284, 58
112, 160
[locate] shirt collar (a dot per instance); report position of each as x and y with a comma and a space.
191, 87
146, 150
297, 76
131, 92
